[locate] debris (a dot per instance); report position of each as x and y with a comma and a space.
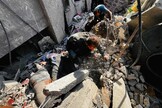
46, 44
113, 83
66, 83
38, 81
105, 96
120, 95
82, 96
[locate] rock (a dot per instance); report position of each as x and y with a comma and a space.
140, 87
135, 72
133, 102
136, 98
132, 89
142, 79
146, 102
130, 95
138, 106
137, 68
131, 77
141, 99
137, 79
132, 82
127, 87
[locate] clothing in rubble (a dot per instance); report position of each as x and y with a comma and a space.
100, 12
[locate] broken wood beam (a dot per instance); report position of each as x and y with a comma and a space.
66, 83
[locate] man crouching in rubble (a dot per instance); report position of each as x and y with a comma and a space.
79, 46
100, 12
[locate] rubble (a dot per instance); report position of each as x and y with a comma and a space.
120, 99
60, 87
46, 44
82, 96
96, 84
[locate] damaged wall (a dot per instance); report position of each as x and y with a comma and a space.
75, 7
33, 13
55, 15
18, 32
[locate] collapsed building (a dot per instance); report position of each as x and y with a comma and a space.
34, 33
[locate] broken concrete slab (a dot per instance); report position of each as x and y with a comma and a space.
10, 84
19, 32
55, 20
82, 96
120, 95
66, 83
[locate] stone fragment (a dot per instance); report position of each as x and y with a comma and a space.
146, 102
132, 82
142, 79
140, 87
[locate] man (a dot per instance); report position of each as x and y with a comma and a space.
79, 46
82, 43
100, 12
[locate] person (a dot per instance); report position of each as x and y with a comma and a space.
100, 12
79, 46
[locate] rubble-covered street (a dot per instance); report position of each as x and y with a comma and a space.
128, 78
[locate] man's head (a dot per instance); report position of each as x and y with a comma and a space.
93, 42
101, 10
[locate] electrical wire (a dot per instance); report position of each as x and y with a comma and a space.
8, 42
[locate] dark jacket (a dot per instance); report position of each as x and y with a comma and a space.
77, 47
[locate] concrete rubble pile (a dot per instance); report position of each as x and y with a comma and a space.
96, 84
